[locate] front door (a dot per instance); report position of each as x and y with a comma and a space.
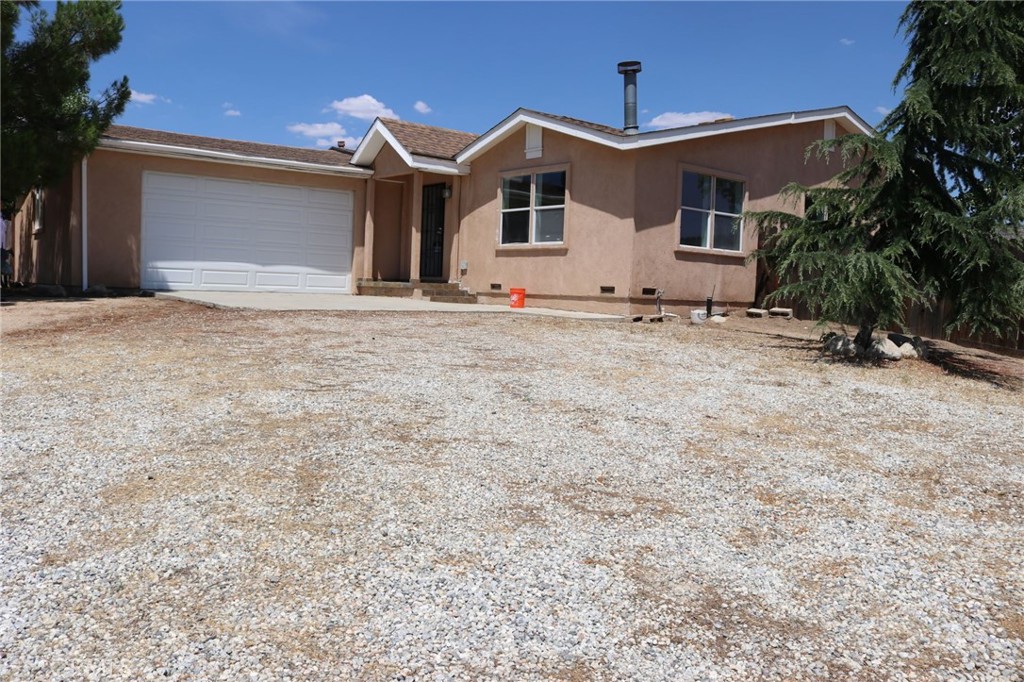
432, 235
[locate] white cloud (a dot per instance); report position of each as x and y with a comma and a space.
147, 98
675, 119
422, 107
884, 111
325, 134
846, 42
364, 107
232, 112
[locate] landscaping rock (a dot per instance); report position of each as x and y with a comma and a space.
718, 319
843, 346
97, 291
883, 349
48, 291
908, 351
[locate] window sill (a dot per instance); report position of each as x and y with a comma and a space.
531, 250
700, 251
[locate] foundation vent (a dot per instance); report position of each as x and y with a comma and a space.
607, 290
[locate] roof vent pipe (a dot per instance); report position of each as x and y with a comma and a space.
629, 70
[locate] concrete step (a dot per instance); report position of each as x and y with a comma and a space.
465, 297
384, 289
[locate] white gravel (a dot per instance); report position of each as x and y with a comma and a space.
209, 494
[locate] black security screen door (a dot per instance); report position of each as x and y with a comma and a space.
432, 236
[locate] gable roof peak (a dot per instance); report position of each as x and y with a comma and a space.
422, 139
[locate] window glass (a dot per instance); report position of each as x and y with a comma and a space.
550, 224
551, 189
515, 227
728, 196
727, 232
693, 228
696, 190
515, 192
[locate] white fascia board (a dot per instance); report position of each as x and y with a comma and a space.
171, 151
740, 125
659, 137
441, 166
371, 144
379, 134
520, 119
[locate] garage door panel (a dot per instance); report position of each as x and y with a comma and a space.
215, 233
171, 206
278, 280
233, 189
225, 211
323, 239
323, 218
224, 278
164, 182
232, 233
330, 198
172, 251
327, 260
327, 282
269, 257
168, 275
281, 194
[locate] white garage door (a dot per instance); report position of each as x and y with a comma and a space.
226, 235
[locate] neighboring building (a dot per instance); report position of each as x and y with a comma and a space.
581, 215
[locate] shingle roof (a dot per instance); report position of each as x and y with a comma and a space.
424, 140
251, 149
601, 128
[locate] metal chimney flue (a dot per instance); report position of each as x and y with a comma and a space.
629, 70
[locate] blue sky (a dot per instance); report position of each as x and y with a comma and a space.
306, 74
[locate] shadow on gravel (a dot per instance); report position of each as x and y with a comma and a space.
974, 367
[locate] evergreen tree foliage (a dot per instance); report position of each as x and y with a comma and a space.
931, 209
48, 117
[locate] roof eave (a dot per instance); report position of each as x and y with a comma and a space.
440, 166
173, 151
522, 117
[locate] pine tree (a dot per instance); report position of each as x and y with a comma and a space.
931, 209
48, 117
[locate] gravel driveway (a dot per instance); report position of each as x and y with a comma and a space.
209, 494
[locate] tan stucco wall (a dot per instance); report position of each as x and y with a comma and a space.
598, 237
115, 206
766, 160
622, 221
387, 231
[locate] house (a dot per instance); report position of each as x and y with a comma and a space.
581, 215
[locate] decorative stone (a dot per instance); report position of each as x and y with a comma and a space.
48, 291
884, 349
718, 319
907, 350
843, 346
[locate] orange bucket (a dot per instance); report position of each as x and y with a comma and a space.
517, 298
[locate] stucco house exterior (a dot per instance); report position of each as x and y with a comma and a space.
580, 215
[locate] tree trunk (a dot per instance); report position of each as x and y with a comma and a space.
864, 336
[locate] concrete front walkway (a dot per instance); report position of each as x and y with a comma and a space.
283, 301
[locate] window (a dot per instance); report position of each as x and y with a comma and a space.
533, 208
710, 215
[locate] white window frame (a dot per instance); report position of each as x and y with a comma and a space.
532, 208
712, 211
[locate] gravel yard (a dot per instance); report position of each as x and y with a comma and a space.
194, 494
